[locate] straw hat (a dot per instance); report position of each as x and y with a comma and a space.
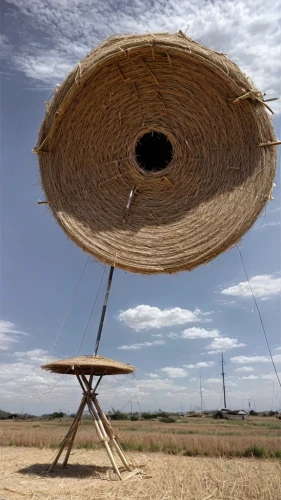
95, 365
150, 153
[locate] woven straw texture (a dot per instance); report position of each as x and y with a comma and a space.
95, 365
211, 192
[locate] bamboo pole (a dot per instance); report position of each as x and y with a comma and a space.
103, 437
69, 433
70, 444
111, 434
91, 377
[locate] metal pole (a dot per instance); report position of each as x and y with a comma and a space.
201, 398
223, 381
103, 310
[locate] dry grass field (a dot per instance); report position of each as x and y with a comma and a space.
190, 437
170, 473
163, 477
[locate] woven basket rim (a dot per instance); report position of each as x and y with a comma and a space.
218, 206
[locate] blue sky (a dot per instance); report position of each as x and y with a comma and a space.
172, 328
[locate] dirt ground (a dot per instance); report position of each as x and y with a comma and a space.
162, 477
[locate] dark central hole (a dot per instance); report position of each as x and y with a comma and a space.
154, 152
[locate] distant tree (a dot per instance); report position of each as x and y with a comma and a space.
55, 414
167, 420
4, 414
147, 415
118, 415
253, 413
272, 413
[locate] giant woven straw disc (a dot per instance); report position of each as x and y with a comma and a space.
216, 180
95, 365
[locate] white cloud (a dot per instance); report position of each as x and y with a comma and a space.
173, 335
24, 378
159, 384
222, 344
227, 303
22, 381
245, 369
199, 333
157, 335
213, 381
246, 30
36, 356
250, 377
231, 384
174, 372
135, 347
271, 376
201, 364
277, 349
255, 359
9, 335
263, 286
267, 224
145, 317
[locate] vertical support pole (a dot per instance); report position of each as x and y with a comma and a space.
91, 376
69, 433
70, 444
223, 380
110, 433
201, 397
103, 436
104, 310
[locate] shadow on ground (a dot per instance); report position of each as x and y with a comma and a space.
72, 470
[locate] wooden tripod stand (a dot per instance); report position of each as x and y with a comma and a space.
104, 430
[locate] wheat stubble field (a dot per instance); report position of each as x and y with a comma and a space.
198, 459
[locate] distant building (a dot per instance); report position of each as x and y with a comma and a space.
231, 414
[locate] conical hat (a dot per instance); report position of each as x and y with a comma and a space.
95, 365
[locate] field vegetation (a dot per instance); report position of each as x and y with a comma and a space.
258, 437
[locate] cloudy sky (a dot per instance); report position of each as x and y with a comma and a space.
172, 328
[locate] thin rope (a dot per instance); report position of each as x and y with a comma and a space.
131, 399
76, 290
91, 313
71, 304
62, 325
55, 384
136, 390
261, 320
